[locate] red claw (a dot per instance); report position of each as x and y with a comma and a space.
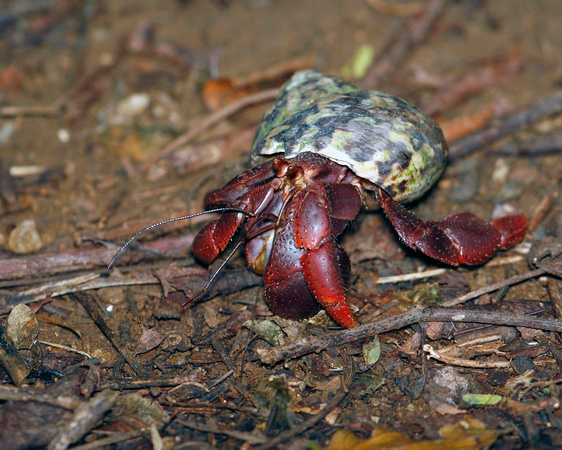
324, 278
307, 266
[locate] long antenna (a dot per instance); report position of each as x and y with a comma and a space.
163, 222
206, 288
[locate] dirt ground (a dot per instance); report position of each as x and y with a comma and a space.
91, 96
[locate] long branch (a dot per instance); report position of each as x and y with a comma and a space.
429, 314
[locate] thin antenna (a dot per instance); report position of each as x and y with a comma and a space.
202, 291
163, 222
228, 258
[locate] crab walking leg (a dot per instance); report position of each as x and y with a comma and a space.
215, 236
241, 185
324, 266
458, 239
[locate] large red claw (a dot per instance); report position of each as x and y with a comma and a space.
286, 291
324, 264
307, 268
477, 241
324, 279
458, 239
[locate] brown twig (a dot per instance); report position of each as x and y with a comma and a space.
390, 8
533, 113
90, 304
87, 259
463, 362
429, 314
114, 439
17, 395
145, 383
86, 416
219, 347
538, 145
211, 120
401, 44
476, 80
30, 111
11, 360
464, 125
250, 438
494, 287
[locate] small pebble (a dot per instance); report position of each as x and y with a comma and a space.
132, 106
501, 171
25, 238
63, 135
7, 130
511, 190
469, 182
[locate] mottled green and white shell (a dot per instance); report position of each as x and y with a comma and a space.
382, 138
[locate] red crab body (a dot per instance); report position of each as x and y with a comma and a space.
300, 206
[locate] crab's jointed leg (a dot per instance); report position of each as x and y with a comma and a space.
458, 239
215, 236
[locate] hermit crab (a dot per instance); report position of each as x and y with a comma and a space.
322, 148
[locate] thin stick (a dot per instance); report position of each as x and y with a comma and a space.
211, 120
452, 360
114, 439
429, 314
95, 312
494, 287
86, 416
30, 111
74, 260
250, 438
436, 272
66, 347
531, 114
17, 395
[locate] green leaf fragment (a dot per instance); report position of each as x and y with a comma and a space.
482, 399
360, 62
372, 351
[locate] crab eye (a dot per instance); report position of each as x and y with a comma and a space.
281, 167
293, 172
